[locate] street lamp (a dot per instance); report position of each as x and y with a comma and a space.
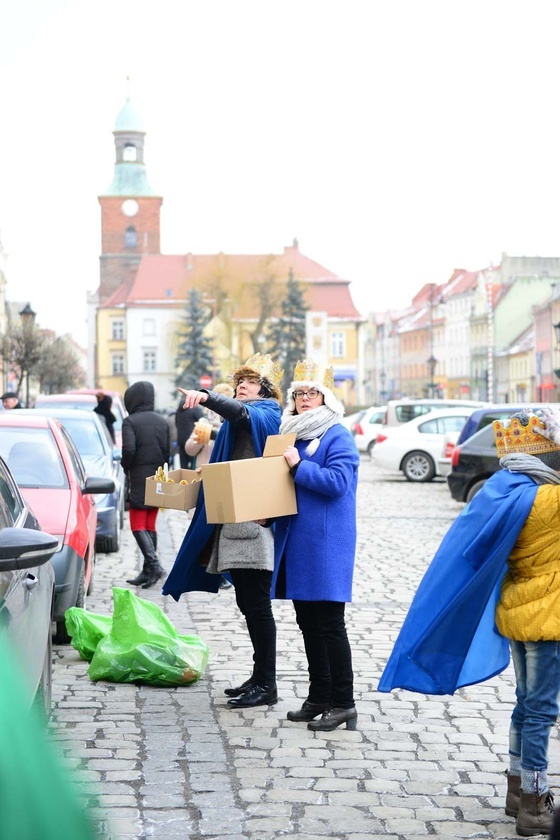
27, 316
432, 362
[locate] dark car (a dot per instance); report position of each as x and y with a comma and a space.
26, 590
474, 457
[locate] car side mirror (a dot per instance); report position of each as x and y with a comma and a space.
99, 485
25, 548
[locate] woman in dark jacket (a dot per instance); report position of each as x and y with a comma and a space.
103, 408
145, 447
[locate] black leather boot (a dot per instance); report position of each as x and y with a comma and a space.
333, 718
308, 711
256, 695
151, 571
239, 689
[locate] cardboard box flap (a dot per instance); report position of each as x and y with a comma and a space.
276, 444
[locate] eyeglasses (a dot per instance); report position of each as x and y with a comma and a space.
311, 394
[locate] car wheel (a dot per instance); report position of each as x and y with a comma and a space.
42, 701
474, 489
371, 445
92, 576
418, 466
115, 540
61, 636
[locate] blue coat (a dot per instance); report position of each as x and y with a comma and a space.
449, 638
187, 575
318, 544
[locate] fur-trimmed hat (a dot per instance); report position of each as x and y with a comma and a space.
261, 368
311, 374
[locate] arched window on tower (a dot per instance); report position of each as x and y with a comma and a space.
130, 237
129, 152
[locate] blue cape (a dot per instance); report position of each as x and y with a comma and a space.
187, 574
449, 638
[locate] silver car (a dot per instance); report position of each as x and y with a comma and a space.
26, 590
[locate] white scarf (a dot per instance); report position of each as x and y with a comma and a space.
310, 425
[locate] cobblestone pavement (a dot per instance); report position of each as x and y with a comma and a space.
179, 763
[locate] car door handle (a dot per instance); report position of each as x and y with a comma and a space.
31, 582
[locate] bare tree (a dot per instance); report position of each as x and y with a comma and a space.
59, 368
22, 350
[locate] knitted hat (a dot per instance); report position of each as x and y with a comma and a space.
261, 368
310, 374
531, 433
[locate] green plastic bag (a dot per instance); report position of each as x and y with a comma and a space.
144, 647
86, 630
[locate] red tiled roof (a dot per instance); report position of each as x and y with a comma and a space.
166, 280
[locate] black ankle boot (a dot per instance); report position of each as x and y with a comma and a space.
155, 573
139, 579
256, 695
152, 571
308, 711
239, 689
333, 718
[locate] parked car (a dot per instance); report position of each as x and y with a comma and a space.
474, 458
52, 478
350, 420
402, 411
449, 443
26, 590
414, 447
102, 459
86, 401
368, 426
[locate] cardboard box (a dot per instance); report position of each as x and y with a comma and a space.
253, 488
167, 494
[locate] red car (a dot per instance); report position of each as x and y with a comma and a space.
51, 476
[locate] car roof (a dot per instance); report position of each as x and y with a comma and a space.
85, 398
78, 413
498, 409
31, 419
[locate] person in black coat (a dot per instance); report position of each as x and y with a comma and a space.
185, 418
103, 408
145, 447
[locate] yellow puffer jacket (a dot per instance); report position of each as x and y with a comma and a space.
529, 606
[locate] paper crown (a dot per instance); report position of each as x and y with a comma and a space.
309, 371
516, 437
264, 366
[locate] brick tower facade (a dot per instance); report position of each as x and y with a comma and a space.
130, 209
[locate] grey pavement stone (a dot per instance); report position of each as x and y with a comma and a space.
178, 762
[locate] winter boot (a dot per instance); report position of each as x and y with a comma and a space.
151, 570
536, 814
512, 795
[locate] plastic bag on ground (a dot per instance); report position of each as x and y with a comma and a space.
86, 630
144, 646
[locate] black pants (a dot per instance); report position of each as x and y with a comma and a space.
252, 593
327, 648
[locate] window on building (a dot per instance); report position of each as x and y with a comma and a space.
149, 361
338, 348
117, 364
149, 326
129, 152
117, 329
130, 237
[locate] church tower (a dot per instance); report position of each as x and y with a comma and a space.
130, 209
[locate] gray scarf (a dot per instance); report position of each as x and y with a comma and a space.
530, 465
311, 425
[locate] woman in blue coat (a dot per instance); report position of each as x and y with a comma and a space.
314, 550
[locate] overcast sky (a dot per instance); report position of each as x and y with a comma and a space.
396, 139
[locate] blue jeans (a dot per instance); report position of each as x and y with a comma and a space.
537, 674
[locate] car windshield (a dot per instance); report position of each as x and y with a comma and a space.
33, 457
85, 435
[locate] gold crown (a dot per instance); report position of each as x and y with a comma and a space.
266, 367
309, 371
518, 438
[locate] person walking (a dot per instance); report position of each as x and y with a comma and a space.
245, 549
145, 447
494, 585
314, 549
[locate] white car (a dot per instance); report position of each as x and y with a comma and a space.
368, 426
415, 447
